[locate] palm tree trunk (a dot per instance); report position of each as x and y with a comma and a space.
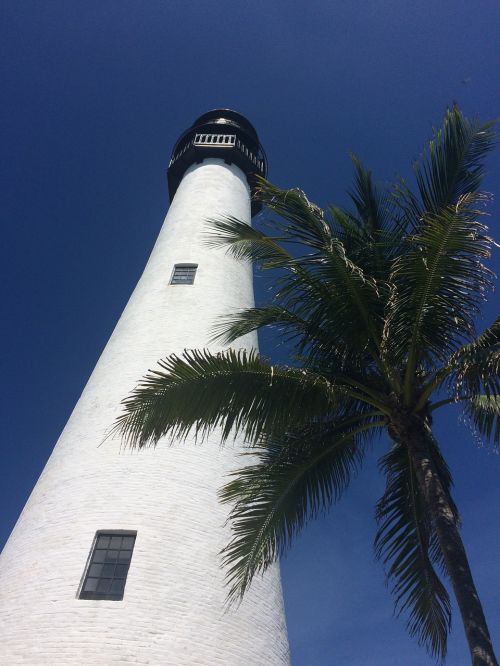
455, 557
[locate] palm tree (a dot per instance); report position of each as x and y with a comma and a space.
378, 306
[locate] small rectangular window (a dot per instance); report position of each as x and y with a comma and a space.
183, 274
108, 566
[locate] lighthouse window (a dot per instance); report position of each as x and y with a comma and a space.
183, 274
108, 566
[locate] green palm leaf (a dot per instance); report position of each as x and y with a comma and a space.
484, 412
372, 207
473, 369
300, 221
454, 164
231, 391
374, 235
476, 367
409, 206
452, 167
289, 326
407, 545
306, 223
314, 341
244, 242
438, 285
296, 477
323, 286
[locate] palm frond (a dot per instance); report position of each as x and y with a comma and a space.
323, 286
474, 368
346, 227
300, 221
438, 285
407, 545
295, 478
373, 251
316, 344
246, 243
288, 325
373, 234
333, 293
230, 391
484, 412
305, 223
311, 334
454, 164
409, 206
372, 207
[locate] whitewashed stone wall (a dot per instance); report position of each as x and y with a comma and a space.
173, 609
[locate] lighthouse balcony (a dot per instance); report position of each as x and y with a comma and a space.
222, 134
219, 140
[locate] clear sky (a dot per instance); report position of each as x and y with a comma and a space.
95, 93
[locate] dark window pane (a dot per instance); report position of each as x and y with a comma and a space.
108, 571
125, 555
116, 542
103, 585
103, 542
111, 556
90, 585
128, 542
95, 570
117, 586
121, 570
99, 556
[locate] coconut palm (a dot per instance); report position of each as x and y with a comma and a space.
378, 307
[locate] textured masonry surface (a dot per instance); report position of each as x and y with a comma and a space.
173, 612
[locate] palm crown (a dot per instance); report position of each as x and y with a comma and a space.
378, 306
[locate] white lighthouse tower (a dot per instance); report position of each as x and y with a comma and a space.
115, 557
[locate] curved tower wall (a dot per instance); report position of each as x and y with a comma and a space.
173, 609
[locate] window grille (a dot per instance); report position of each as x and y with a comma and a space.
183, 274
108, 566
223, 140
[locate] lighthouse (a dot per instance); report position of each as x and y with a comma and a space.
115, 558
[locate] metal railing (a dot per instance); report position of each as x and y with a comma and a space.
220, 141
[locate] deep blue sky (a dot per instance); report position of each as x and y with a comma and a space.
95, 93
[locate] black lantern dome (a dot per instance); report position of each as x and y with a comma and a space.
224, 134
